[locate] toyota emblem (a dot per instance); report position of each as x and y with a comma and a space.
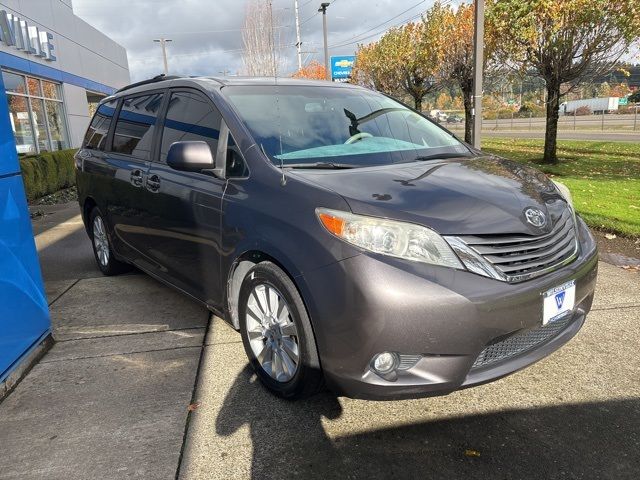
535, 217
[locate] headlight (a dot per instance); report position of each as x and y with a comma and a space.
388, 237
564, 191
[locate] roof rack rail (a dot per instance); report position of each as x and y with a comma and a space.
157, 78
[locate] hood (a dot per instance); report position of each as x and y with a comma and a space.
466, 196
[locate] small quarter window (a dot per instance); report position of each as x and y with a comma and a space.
236, 167
96, 136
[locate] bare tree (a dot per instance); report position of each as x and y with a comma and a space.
261, 38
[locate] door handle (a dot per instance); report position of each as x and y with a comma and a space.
153, 183
136, 178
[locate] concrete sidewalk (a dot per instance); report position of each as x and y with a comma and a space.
110, 399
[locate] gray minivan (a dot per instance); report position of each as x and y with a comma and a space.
352, 242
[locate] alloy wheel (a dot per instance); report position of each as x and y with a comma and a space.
100, 241
273, 335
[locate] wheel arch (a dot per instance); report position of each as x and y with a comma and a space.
87, 206
237, 272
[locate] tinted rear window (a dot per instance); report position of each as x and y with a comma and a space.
96, 136
136, 124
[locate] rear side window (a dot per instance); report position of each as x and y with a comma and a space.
190, 117
96, 136
134, 130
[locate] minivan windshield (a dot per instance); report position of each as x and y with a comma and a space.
318, 126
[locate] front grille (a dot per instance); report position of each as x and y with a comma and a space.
523, 257
520, 343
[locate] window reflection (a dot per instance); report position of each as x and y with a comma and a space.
21, 124
33, 85
40, 124
134, 130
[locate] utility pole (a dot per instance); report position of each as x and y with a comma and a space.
298, 41
478, 41
323, 9
163, 43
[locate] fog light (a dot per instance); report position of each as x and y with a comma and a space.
385, 362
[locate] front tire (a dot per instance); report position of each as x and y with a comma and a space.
107, 263
277, 334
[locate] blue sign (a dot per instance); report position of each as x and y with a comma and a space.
341, 67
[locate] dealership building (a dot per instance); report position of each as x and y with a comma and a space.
53, 67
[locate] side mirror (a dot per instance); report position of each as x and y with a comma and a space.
193, 156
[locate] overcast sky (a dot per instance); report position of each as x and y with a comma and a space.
207, 35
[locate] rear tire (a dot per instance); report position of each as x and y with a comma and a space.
107, 262
277, 334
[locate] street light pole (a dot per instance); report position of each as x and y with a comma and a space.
163, 43
298, 41
478, 40
323, 9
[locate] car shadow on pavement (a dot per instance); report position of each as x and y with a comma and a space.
591, 440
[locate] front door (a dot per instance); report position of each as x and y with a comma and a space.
184, 218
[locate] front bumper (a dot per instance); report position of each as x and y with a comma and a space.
365, 305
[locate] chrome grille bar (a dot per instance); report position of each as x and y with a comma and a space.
518, 257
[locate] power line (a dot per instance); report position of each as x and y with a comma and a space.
344, 44
376, 33
383, 23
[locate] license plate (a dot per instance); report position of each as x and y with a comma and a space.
558, 302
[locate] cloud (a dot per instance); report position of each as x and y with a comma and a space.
206, 34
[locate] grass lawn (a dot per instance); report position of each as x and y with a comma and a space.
603, 177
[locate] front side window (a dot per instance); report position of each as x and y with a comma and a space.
36, 113
190, 117
356, 127
96, 136
134, 130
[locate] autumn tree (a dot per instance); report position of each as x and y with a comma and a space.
407, 59
375, 66
459, 65
563, 41
313, 71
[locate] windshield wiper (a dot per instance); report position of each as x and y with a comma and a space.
439, 156
325, 165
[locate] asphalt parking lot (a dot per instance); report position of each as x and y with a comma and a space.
135, 389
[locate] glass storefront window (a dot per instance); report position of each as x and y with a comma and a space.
34, 87
40, 124
14, 83
57, 127
21, 124
37, 113
51, 90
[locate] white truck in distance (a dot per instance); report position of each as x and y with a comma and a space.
596, 105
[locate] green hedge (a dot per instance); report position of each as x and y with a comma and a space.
47, 172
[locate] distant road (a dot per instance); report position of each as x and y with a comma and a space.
598, 136
623, 127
